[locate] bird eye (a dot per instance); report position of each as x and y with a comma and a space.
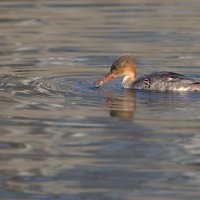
114, 71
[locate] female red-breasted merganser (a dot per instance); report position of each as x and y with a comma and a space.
164, 81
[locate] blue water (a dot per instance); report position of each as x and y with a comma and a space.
64, 139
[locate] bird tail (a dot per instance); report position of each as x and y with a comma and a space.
195, 86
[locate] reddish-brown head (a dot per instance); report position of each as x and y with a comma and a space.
123, 66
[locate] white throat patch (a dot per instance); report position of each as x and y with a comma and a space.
126, 83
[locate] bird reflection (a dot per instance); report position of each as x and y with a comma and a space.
122, 106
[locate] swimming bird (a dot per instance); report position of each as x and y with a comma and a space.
125, 67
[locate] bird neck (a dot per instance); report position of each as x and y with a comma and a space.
128, 81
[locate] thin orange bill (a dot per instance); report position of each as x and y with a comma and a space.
103, 80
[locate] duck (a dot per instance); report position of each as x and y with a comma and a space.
125, 66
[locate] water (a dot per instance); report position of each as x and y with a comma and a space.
61, 138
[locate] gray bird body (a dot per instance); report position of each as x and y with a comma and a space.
166, 81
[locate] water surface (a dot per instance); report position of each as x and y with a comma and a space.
61, 138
